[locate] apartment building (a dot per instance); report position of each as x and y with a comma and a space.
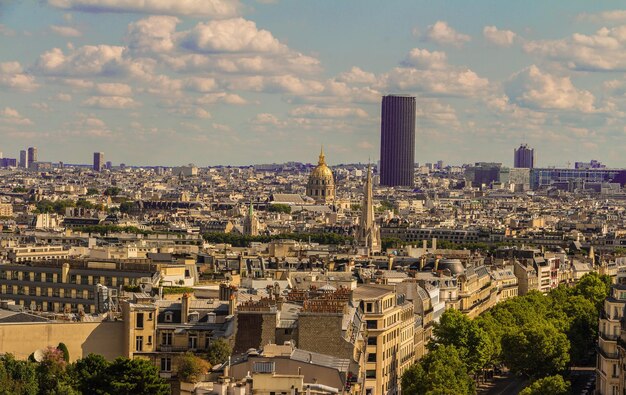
390, 321
610, 377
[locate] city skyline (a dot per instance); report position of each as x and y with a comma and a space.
237, 83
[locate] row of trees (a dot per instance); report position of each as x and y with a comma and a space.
239, 240
90, 375
536, 336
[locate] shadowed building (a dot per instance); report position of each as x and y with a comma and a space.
524, 157
397, 140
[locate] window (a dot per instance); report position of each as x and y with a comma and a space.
166, 364
139, 343
371, 324
372, 341
193, 341
73, 279
370, 374
368, 307
166, 338
150, 316
168, 316
371, 357
139, 321
149, 340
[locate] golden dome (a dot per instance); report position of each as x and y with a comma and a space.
322, 171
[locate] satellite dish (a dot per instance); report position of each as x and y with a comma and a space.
39, 355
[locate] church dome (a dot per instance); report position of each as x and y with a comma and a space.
321, 171
321, 185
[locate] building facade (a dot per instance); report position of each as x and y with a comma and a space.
98, 161
397, 141
524, 157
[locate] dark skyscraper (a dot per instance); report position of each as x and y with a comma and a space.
32, 156
397, 140
98, 161
524, 157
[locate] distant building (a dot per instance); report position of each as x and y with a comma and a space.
251, 223
483, 173
32, 156
397, 141
321, 185
24, 159
593, 164
186, 171
369, 232
8, 162
98, 161
524, 157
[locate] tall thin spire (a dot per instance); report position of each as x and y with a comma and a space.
322, 160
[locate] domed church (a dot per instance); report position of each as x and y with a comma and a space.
321, 185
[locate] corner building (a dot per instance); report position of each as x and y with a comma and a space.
397, 141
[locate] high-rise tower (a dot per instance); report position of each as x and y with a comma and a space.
98, 161
32, 156
524, 157
24, 158
397, 140
369, 232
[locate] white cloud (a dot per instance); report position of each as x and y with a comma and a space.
449, 82
231, 35
267, 119
536, 89
113, 89
110, 102
64, 97
200, 84
12, 76
88, 60
357, 76
65, 31
442, 33
434, 112
605, 50
6, 31
503, 38
192, 8
605, 16
12, 116
312, 111
154, 34
424, 59
221, 97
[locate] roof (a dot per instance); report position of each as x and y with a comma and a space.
314, 358
13, 317
371, 291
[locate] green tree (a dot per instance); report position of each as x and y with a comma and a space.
219, 351
126, 207
17, 377
536, 350
90, 374
66, 353
553, 385
594, 287
440, 372
191, 368
92, 191
52, 374
280, 208
456, 329
112, 191
135, 377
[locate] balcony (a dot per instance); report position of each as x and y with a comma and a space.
608, 336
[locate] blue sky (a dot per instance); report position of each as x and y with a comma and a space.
226, 82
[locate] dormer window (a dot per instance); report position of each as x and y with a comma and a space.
194, 316
168, 316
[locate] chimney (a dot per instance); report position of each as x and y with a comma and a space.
434, 243
390, 262
232, 303
425, 244
184, 308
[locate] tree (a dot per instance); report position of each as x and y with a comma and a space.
456, 329
66, 353
219, 351
536, 350
594, 287
553, 385
126, 207
441, 371
280, 208
52, 373
92, 191
17, 377
191, 368
135, 377
112, 191
89, 374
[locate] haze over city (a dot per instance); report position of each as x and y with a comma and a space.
233, 83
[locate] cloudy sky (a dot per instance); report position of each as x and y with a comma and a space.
238, 82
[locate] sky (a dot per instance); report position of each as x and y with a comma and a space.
228, 82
